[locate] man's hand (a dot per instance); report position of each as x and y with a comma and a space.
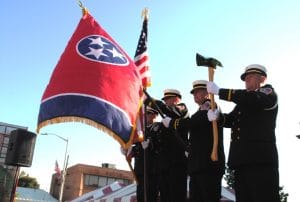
166, 121
212, 88
213, 115
123, 151
145, 144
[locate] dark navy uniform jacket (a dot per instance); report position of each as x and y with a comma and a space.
201, 143
252, 124
153, 132
172, 149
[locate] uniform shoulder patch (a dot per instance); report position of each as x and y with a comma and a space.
266, 90
205, 105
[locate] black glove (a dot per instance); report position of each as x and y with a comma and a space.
148, 101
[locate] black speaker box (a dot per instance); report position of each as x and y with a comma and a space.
20, 148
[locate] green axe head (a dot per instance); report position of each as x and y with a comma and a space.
207, 62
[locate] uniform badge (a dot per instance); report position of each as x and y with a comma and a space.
205, 106
155, 127
266, 90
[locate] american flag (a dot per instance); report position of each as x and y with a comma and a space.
141, 61
57, 170
141, 58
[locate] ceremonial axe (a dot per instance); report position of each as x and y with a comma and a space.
211, 63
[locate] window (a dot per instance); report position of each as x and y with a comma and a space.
91, 180
110, 180
101, 181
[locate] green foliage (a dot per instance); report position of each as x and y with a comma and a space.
283, 196
229, 177
26, 181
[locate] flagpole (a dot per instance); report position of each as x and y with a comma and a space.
145, 16
145, 155
83, 8
131, 169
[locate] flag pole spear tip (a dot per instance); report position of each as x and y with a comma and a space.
145, 13
84, 9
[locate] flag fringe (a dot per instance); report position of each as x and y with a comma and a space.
88, 122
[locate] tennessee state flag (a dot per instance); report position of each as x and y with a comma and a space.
94, 82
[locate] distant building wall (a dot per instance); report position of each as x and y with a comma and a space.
81, 179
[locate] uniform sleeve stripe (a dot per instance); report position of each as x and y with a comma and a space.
229, 95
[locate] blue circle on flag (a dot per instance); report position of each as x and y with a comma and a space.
100, 49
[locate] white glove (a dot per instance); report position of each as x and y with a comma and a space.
213, 115
166, 121
129, 151
212, 88
186, 154
145, 144
123, 151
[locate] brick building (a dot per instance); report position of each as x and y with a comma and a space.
81, 179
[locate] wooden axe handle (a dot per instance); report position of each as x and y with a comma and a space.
214, 153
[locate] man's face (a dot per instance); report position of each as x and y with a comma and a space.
150, 117
171, 101
200, 95
253, 81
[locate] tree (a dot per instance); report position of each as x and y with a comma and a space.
283, 196
26, 181
229, 178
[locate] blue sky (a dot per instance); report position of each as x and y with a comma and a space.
35, 33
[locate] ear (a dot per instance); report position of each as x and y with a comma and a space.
263, 79
177, 99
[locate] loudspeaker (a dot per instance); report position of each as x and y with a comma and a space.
20, 148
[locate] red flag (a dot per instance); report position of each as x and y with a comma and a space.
94, 82
141, 58
57, 170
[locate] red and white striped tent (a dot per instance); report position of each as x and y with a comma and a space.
117, 192
126, 194
99, 193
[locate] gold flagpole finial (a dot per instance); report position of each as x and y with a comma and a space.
84, 9
145, 13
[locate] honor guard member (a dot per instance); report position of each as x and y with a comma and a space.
148, 147
253, 152
205, 174
172, 159
175, 142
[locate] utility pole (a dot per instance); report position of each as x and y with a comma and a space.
64, 166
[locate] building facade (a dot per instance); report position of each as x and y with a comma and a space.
81, 179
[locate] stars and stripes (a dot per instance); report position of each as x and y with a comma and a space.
57, 170
141, 58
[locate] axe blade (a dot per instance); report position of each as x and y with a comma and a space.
207, 62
